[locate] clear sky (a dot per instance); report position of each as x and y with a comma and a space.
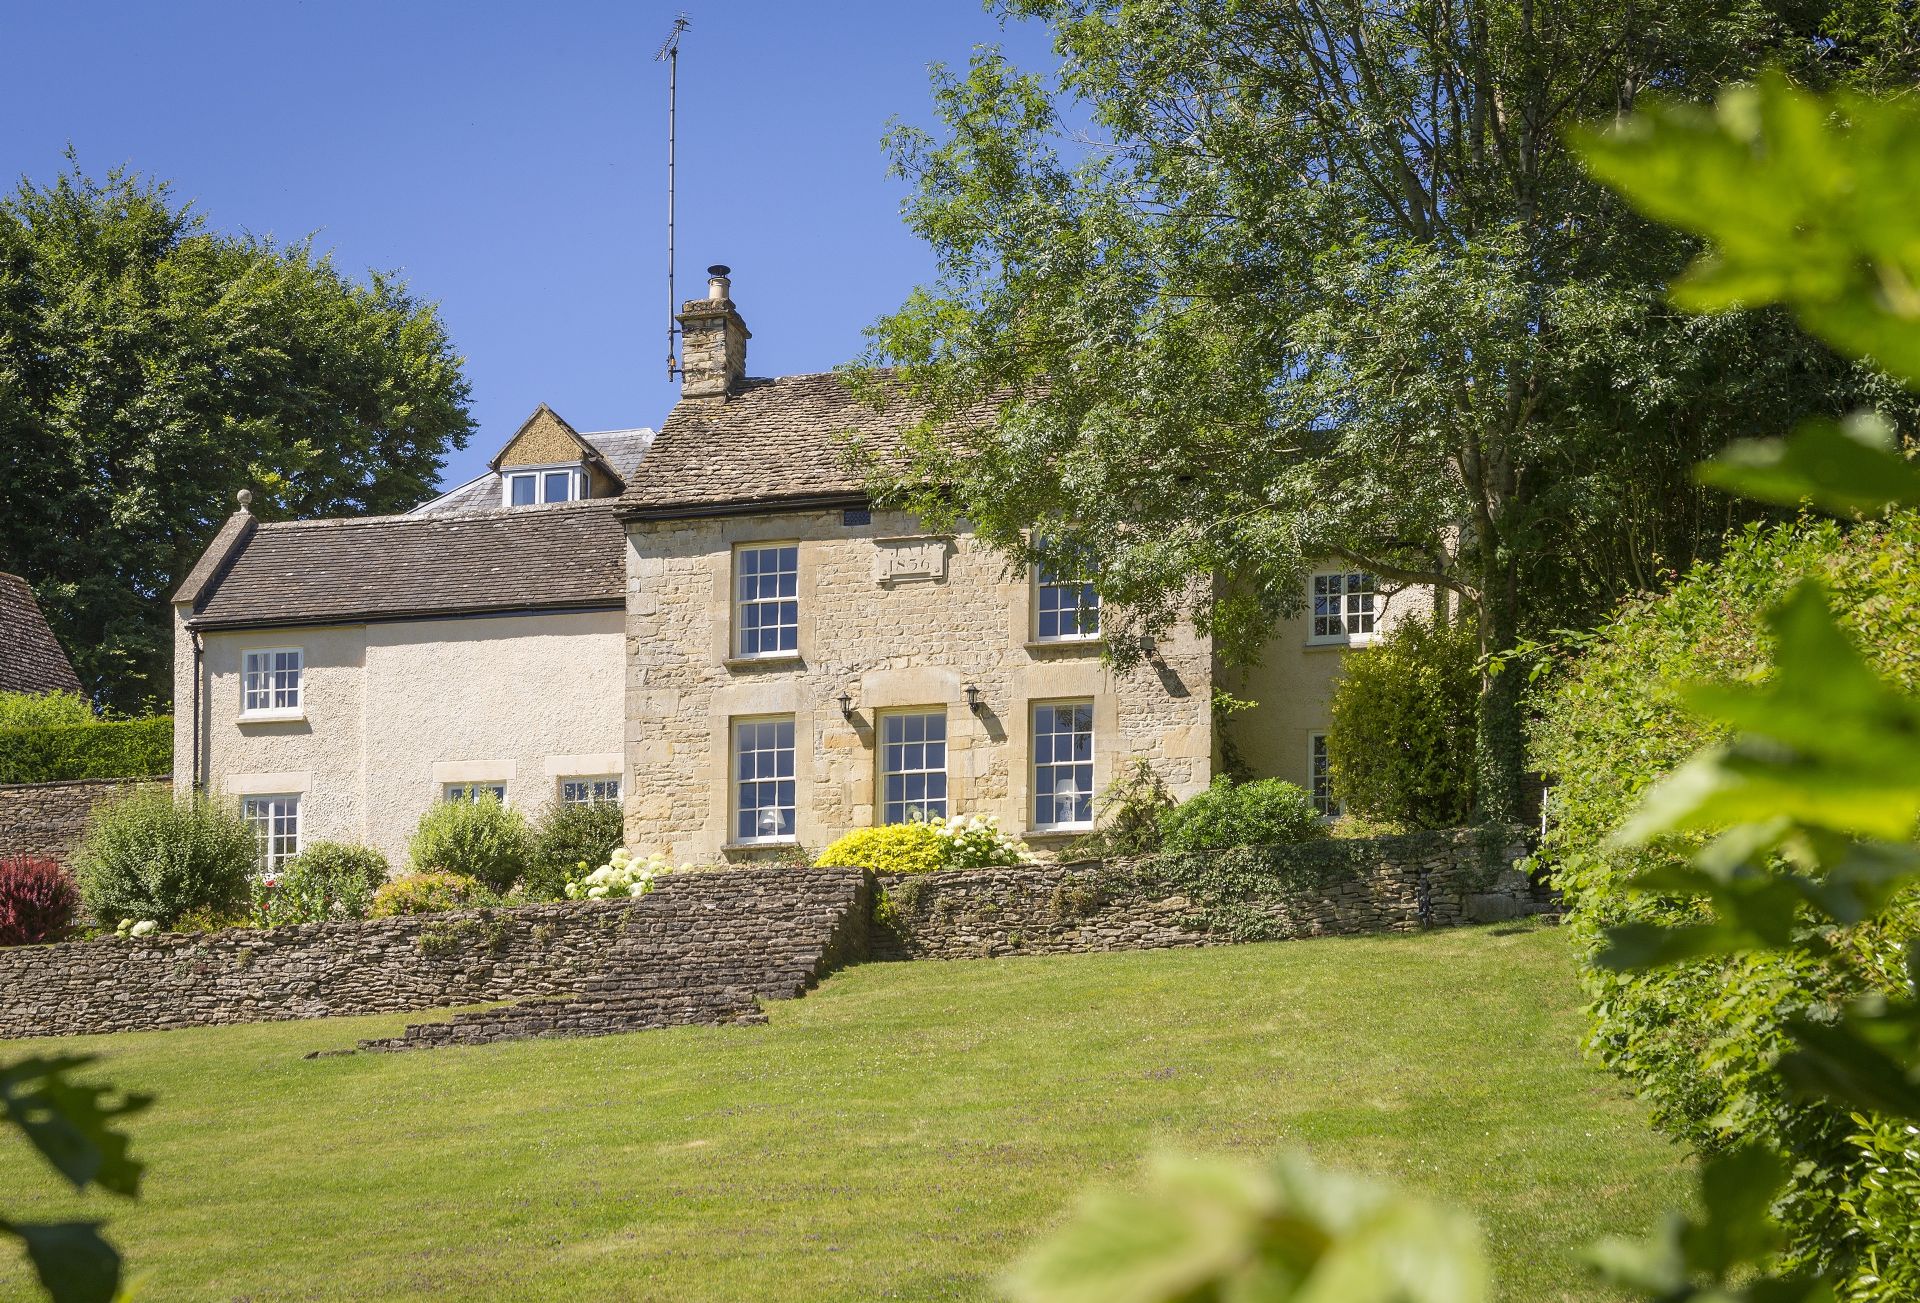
509, 160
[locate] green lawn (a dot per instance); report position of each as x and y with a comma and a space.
900, 1133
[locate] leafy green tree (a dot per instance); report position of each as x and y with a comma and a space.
1248, 285
151, 366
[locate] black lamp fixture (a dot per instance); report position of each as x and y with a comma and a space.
974, 703
846, 704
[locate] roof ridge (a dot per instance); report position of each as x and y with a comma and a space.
407, 517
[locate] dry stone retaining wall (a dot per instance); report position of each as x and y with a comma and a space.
1323, 888
46, 819
702, 947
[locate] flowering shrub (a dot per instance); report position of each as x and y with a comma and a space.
965, 842
146, 927
567, 837
328, 880
622, 875
429, 893
37, 900
975, 841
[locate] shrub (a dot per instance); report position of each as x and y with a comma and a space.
623, 874
1698, 1039
37, 900
480, 839
328, 880
132, 748
149, 856
1402, 739
896, 848
975, 841
567, 840
430, 893
1262, 813
43, 710
1130, 812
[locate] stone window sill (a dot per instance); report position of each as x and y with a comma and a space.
774, 844
1056, 834
272, 717
784, 661
1066, 644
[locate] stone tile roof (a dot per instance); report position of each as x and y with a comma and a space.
561, 557
31, 658
621, 450
772, 441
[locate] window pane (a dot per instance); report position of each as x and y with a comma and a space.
1321, 777
559, 486
913, 766
766, 600
1065, 602
764, 787
1063, 764
521, 487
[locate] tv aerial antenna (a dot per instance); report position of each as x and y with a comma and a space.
669, 53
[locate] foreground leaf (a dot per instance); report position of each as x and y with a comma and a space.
1212, 1229
74, 1263
72, 1125
1850, 467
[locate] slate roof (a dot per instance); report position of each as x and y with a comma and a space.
620, 449
568, 556
31, 658
774, 442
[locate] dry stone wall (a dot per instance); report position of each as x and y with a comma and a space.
1324, 888
702, 947
46, 819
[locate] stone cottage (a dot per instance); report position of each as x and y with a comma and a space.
713, 626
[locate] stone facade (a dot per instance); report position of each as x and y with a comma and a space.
47, 819
701, 947
1326, 888
890, 634
393, 712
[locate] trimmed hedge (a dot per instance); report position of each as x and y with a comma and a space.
133, 748
1698, 1039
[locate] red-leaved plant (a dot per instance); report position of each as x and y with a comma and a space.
37, 900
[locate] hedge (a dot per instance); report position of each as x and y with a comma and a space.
1698, 1039
134, 748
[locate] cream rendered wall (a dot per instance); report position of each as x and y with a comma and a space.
1293, 687
911, 643
392, 710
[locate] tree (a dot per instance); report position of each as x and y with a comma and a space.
1261, 283
151, 367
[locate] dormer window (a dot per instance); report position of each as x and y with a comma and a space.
530, 486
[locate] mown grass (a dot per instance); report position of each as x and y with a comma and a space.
900, 1133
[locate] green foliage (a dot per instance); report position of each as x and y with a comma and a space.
72, 1126
1263, 813
1401, 745
43, 710
1130, 811
429, 893
485, 935
567, 841
132, 748
326, 881
1432, 346
480, 839
151, 365
1232, 891
1227, 1231
150, 856
895, 848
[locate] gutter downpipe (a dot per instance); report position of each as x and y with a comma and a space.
199, 656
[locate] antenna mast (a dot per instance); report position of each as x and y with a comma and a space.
669, 52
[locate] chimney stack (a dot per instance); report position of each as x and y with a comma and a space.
713, 343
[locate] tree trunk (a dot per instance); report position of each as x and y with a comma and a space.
1499, 741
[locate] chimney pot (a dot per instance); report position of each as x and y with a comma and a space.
718, 285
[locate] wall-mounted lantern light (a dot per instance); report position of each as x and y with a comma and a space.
974, 703
846, 704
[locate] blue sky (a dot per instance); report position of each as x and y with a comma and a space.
509, 160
